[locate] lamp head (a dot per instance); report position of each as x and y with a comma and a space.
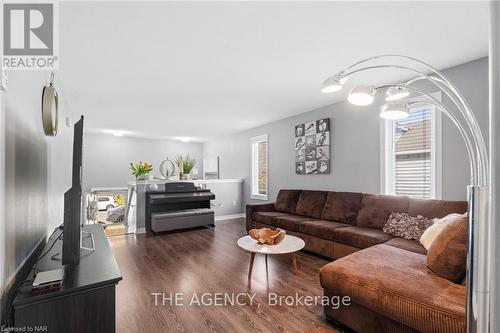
334, 83
394, 111
362, 95
396, 92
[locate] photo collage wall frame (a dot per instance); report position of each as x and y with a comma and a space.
312, 147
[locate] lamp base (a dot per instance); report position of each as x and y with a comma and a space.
478, 273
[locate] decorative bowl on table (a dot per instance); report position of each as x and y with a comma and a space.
267, 236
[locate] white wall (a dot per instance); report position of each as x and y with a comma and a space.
355, 144
106, 158
35, 171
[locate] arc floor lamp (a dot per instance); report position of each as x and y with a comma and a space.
397, 107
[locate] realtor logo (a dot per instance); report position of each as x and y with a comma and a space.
29, 36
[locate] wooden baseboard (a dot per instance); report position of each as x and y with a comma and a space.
229, 217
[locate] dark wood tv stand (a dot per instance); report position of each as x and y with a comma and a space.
85, 303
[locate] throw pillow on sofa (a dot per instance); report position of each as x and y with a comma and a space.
433, 231
406, 226
447, 255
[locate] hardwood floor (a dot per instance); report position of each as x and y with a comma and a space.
209, 261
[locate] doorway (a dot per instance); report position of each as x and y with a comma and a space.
108, 208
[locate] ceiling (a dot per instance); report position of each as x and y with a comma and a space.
204, 69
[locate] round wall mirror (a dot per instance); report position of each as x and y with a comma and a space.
50, 104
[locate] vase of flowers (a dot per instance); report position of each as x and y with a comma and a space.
141, 170
185, 165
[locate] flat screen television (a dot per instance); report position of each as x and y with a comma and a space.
73, 203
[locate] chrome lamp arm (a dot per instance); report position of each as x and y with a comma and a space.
443, 84
478, 255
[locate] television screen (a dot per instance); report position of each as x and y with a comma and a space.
73, 203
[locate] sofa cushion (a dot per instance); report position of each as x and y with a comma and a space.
376, 208
447, 255
314, 244
406, 226
250, 209
407, 244
342, 207
267, 217
311, 203
321, 228
286, 201
360, 237
397, 284
435, 229
435, 208
289, 222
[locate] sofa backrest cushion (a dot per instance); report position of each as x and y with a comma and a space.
432, 209
376, 208
311, 203
447, 255
342, 207
286, 201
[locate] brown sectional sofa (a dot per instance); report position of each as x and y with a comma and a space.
386, 277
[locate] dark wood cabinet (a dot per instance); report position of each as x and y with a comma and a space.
85, 303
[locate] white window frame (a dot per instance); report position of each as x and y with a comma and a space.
254, 160
387, 160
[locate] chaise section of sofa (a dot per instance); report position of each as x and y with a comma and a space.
396, 285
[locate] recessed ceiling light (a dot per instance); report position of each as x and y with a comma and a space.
117, 132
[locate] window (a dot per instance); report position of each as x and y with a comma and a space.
260, 176
412, 162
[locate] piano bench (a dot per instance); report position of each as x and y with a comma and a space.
181, 219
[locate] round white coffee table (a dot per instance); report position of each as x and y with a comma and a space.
289, 245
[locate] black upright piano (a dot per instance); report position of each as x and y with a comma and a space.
179, 205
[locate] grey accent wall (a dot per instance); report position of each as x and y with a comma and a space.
106, 158
355, 144
472, 80
228, 198
36, 170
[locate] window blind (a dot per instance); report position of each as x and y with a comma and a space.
260, 179
262, 167
412, 150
